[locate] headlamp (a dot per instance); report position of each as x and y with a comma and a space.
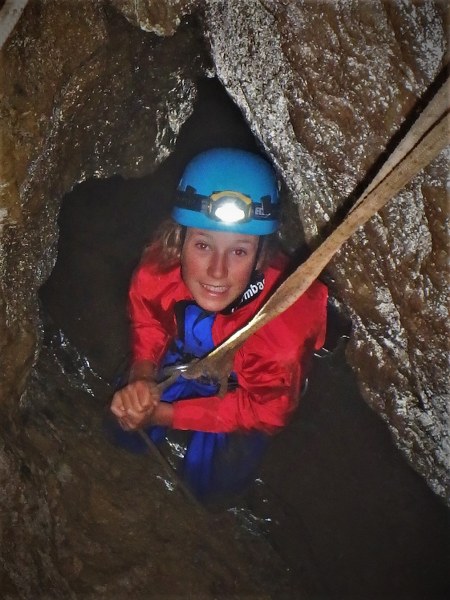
230, 207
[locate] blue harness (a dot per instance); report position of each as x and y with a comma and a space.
214, 463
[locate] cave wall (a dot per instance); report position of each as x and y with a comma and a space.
325, 86
87, 91
85, 94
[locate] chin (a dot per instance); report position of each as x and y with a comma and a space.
214, 304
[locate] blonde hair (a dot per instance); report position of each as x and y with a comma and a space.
167, 244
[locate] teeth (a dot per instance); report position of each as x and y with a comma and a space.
215, 288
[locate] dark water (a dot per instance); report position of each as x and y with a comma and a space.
335, 498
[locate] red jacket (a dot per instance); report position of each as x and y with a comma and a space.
270, 365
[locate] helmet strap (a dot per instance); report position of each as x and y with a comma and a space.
258, 251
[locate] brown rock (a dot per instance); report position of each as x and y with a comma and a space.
324, 86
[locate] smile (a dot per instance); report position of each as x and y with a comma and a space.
215, 289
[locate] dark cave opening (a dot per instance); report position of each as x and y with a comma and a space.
337, 499
105, 225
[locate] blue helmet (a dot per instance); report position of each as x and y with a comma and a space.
227, 189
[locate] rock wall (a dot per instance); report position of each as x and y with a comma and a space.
325, 86
84, 95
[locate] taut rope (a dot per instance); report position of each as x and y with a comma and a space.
423, 142
426, 138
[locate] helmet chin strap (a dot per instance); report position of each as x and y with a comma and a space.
253, 276
258, 251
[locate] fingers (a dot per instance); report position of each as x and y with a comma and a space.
125, 426
136, 397
134, 404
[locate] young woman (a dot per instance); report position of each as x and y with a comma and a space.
206, 274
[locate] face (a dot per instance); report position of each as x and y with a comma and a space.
217, 266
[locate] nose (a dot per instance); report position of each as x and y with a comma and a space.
218, 265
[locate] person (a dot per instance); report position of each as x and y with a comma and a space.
207, 272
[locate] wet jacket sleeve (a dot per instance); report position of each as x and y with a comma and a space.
150, 327
270, 368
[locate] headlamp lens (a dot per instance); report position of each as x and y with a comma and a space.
230, 207
228, 212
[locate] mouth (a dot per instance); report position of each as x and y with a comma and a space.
215, 289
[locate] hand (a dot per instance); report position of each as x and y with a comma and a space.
135, 404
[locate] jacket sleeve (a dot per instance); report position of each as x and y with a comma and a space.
150, 333
270, 368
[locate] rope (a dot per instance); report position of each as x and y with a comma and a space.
171, 474
427, 137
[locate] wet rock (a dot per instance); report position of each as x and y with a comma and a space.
325, 86
83, 518
86, 93
162, 18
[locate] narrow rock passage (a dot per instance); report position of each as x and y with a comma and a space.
340, 504
336, 499
348, 513
120, 530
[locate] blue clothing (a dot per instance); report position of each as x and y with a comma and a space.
214, 464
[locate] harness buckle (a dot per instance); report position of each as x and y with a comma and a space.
169, 370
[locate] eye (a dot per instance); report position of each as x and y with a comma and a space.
240, 252
201, 245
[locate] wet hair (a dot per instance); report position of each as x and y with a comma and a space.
167, 244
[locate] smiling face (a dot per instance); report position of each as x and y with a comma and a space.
217, 266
